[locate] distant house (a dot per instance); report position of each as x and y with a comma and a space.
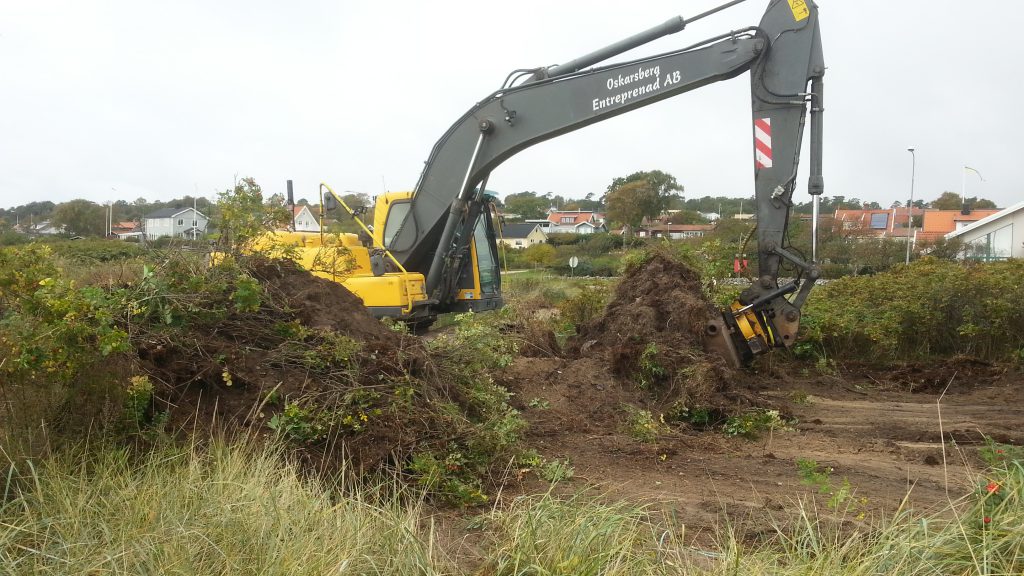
175, 223
126, 230
303, 219
46, 228
996, 237
522, 235
673, 231
571, 222
938, 223
874, 223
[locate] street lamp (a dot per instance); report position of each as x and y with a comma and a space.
910, 205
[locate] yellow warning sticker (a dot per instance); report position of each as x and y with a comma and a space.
799, 8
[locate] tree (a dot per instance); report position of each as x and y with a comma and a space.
947, 201
953, 201
663, 183
243, 216
81, 218
356, 199
540, 255
527, 205
630, 202
687, 217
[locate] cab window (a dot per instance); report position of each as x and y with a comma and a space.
396, 216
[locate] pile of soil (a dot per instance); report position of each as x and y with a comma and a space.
658, 301
646, 350
320, 303
238, 376
657, 317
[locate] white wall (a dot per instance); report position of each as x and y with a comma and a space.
1015, 220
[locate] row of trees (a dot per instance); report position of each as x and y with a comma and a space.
628, 199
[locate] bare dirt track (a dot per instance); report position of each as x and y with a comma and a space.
884, 441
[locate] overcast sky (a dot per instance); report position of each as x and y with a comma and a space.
120, 99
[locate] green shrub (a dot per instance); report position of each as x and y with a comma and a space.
930, 308
586, 305
641, 424
97, 250
754, 423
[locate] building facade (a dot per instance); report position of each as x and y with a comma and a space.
521, 235
997, 237
175, 223
303, 219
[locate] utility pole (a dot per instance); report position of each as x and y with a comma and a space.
910, 204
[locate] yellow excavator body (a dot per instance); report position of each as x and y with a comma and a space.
384, 286
342, 258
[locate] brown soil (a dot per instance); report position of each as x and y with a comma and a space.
320, 303
189, 367
884, 442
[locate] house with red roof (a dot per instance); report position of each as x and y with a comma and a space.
571, 222
303, 219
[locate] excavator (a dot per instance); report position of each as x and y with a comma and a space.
433, 250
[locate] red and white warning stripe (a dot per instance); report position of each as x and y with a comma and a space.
763, 142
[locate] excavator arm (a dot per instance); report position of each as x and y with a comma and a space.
783, 54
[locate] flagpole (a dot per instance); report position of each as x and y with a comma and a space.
963, 185
963, 188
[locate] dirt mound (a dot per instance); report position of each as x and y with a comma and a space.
310, 362
658, 301
566, 395
652, 335
318, 302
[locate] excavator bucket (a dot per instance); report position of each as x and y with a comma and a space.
719, 341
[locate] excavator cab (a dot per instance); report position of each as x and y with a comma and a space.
477, 286
480, 280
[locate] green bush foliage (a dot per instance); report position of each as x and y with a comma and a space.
464, 359
586, 305
930, 308
97, 250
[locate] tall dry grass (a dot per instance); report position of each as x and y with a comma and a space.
245, 510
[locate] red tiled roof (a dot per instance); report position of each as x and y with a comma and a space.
944, 221
555, 216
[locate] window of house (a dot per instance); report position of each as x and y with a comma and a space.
995, 245
195, 223
180, 221
880, 221
568, 219
519, 242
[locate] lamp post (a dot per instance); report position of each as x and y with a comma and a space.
910, 204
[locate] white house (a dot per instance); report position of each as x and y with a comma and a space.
571, 222
996, 237
303, 219
46, 228
174, 222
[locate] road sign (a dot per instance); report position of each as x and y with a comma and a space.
574, 262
